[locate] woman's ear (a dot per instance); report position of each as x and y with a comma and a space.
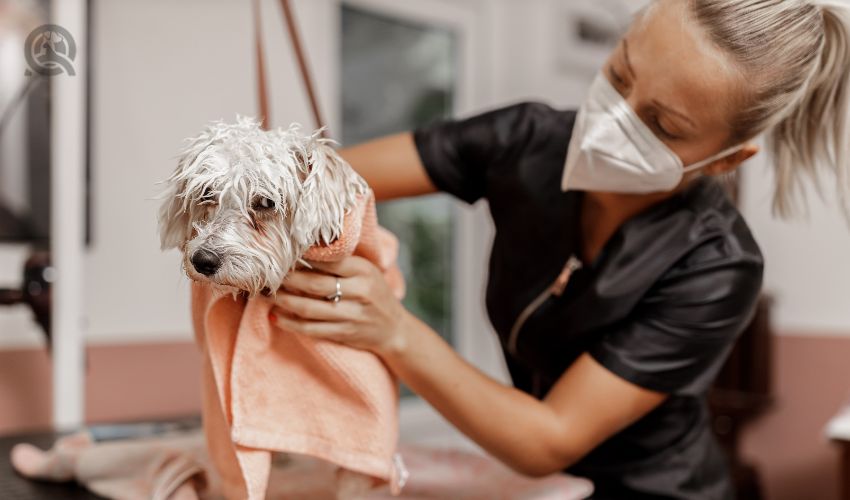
732, 161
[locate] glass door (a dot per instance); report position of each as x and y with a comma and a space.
396, 75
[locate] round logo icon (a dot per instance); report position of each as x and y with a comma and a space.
50, 49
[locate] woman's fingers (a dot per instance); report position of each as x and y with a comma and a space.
352, 265
321, 285
330, 330
368, 316
318, 309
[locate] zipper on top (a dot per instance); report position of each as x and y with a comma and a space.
555, 288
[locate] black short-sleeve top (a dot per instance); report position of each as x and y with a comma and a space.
660, 306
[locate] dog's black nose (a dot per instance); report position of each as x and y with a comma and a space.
206, 262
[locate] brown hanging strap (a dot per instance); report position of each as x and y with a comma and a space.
262, 94
294, 37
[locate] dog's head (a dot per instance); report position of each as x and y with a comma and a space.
244, 204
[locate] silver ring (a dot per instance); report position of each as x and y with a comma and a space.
337, 295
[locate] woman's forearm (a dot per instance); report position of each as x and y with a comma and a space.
511, 425
391, 166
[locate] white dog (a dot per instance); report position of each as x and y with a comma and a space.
244, 204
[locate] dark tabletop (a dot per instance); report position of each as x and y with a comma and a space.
15, 487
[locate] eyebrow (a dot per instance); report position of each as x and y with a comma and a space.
654, 101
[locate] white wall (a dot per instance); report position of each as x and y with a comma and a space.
806, 258
531, 52
524, 57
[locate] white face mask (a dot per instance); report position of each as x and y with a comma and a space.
612, 150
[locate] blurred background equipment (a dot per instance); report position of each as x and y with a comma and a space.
44, 174
35, 290
25, 197
24, 131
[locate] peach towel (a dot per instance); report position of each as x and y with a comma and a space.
268, 390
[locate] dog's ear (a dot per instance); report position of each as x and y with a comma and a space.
329, 189
175, 218
175, 224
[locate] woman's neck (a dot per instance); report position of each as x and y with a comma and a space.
603, 213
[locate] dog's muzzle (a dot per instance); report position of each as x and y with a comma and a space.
205, 262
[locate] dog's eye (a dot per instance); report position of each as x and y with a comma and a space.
208, 196
263, 204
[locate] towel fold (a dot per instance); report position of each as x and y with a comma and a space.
271, 390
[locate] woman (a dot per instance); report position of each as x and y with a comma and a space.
620, 275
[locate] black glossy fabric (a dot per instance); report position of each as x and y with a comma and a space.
661, 306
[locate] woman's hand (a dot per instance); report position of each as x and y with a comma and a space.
368, 316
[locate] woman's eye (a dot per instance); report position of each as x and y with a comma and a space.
615, 76
263, 204
660, 129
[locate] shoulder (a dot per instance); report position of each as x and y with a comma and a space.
462, 155
692, 250
696, 232
509, 125
720, 236
521, 112
532, 121
714, 285
702, 297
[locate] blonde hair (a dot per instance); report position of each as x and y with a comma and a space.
795, 58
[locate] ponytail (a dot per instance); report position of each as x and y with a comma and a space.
795, 56
812, 139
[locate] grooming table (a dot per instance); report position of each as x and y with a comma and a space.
435, 473
15, 487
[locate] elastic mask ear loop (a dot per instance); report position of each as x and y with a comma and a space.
712, 158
